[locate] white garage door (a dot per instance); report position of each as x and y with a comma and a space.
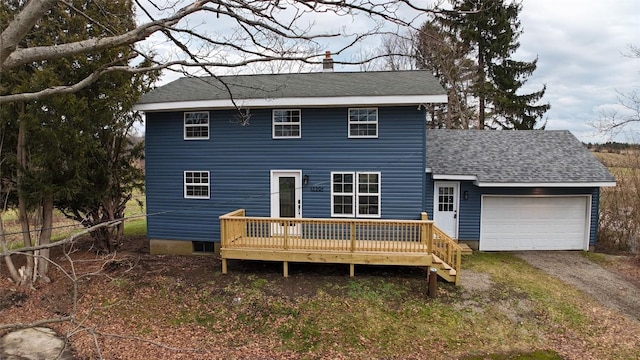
534, 223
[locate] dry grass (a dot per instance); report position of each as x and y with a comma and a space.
320, 313
619, 227
64, 227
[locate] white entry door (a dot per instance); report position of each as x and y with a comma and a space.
445, 207
286, 200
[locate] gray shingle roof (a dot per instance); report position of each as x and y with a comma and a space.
322, 84
536, 156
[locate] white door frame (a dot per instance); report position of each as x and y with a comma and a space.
278, 228
456, 204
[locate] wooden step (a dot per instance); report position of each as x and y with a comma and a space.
465, 249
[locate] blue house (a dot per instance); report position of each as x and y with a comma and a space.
355, 145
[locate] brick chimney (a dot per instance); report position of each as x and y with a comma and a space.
327, 62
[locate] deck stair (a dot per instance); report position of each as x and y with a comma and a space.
466, 250
341, 241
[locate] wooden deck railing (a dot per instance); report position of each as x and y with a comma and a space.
338, 235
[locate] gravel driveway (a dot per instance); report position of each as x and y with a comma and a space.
605, 286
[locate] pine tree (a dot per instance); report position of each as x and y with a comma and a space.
488, 31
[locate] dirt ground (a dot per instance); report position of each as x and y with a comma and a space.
616, 286
134, 270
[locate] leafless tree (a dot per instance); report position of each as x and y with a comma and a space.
260, 29
627, 113
447, 60
394, 52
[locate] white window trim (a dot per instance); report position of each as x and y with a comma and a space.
356, 195
184, 182
185, 126
352, 194
349, 123
378, 194
273, 124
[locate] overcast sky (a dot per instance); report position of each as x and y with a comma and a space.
580, 45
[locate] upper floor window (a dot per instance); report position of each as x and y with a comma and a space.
363, 123
196, 184
196, 125
286, 124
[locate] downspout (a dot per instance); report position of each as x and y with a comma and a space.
424, 161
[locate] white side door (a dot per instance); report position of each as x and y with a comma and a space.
445, 206
286, 200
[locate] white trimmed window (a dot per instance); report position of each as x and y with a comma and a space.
342, 191
368, 196
196, 125
286, 124
355, 194
196, 184
363, 123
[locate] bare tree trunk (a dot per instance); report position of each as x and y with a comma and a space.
481, 93
110, 214
7, 259
22, 201
45, 237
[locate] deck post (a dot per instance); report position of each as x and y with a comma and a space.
285, 268
352, 270
427, 232
424, 233
224, 265
432, 289
223, 233
458, 265
286, 235
353, 236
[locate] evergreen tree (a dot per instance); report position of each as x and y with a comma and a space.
488, 32
70, 150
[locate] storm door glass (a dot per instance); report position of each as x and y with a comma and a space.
287, 195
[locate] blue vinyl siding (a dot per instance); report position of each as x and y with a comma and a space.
239, 159
469, 212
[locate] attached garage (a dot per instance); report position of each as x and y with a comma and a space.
514, 190
534, 223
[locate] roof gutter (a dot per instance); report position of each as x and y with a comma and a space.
406, 100
546, 184
479, 183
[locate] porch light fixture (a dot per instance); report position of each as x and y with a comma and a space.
465, 195
305, 180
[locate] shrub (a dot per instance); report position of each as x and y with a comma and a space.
619, 209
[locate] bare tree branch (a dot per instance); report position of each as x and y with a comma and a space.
20, 26
21, 56
67, 240
35, 324
264, 29
627, 112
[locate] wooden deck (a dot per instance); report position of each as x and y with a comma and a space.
343, 241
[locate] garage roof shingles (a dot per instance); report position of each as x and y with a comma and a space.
535, 156
272, 86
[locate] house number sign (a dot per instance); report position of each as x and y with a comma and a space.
317, 189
